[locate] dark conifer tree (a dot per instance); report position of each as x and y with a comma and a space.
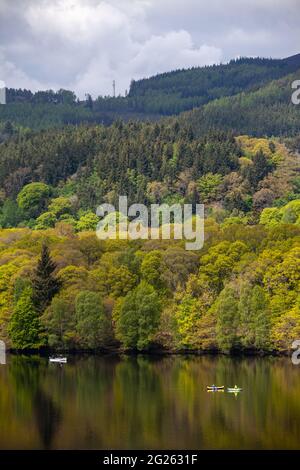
44, 284
8, 129
261, 168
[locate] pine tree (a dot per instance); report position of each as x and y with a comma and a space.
44, 284
260, 168
89, 101
8, 129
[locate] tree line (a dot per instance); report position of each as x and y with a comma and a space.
72, 291
166, 94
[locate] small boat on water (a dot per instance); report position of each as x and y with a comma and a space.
58, 360
215, 388
235, 389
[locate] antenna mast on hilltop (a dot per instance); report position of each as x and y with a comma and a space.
114, 88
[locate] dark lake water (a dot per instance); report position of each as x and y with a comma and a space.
146, 403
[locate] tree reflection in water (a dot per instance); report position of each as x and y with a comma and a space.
147, 402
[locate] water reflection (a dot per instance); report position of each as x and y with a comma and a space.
147, 402
48, 417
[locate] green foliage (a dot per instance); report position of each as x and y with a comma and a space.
266, 111
58, 320
45, 220
243, 294
173, 92
241, 291
33, 198
24, 327
288, 214
287, 329
161, 163
92, 323
291, 212
270, 216
87, 222
177, 265
44, 284
259, 311
138, 318
192, 319
59, 206
260, 168
8, 129
218, 263
208, 187
120, 281
246, 317
296, 184
186, 315
10, 214
91, 248
164, 94
136, 159
151, 268
227, 319
20, 285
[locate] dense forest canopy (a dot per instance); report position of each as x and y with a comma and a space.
267, 111
240, 292
180, 90
238, 153
61, 287
149, 163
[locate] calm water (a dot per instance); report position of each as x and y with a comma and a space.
131, 403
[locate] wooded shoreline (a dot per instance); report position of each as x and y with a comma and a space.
47, 352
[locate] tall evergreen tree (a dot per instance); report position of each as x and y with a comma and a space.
261, 167
8, 129
44, 284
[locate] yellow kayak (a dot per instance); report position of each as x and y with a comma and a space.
235, 389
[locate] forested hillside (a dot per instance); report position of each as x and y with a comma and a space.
174, 92
163, 95
238, 153
61, 287
268, 111
240, 292
150, 163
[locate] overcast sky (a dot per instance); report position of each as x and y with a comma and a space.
84, 45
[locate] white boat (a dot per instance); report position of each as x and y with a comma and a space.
59, 360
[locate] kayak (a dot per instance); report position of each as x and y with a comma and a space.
234, 389
214, 388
